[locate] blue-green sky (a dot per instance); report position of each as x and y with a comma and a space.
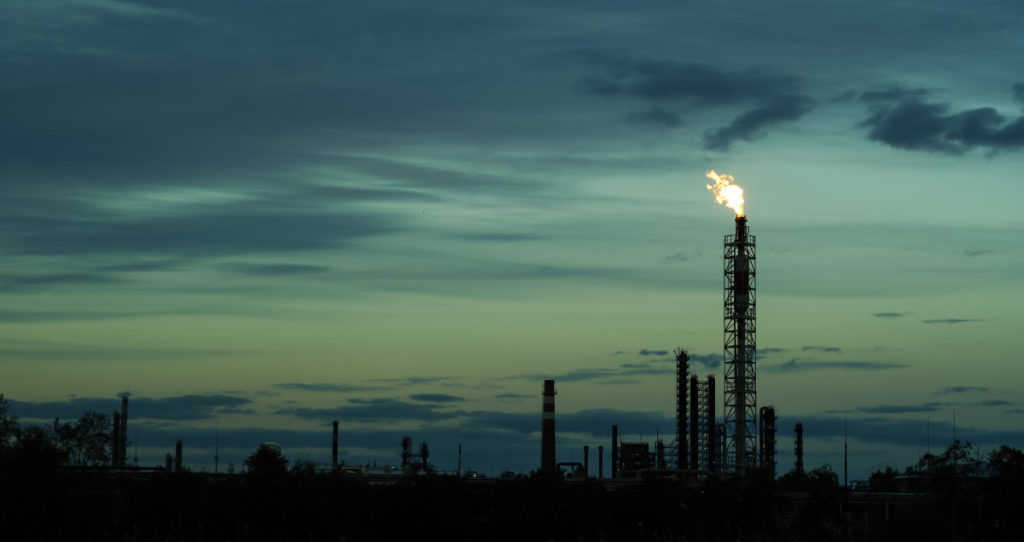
262, 216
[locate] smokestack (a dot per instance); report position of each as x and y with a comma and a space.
712, 436
682, 368
334, 446
115, 441
799, 448
170, 462
586, 461
123, 455
600, 461
660, 454
547, 429
615, 451
766, 423
177, 457
694, 425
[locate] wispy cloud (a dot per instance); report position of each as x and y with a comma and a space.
960, 389
331, 388
900, 409
436, 397
951, 321
795, 366
890, 314
828, 349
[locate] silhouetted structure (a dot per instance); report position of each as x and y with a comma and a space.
123, 441
615, 451
586, 460
334, 445
682, 367
115, 441
177, 457
634, 457
766, 433
600, 461
659, 453
411, 461
740, 330
547, 448
799, 448
694, 425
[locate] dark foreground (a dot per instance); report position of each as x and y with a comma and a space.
69, 504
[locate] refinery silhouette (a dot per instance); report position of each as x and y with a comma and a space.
716, 478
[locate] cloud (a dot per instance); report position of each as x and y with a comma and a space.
974, 252
379, 410
775, 98
182, 407
900, 409
903, 119
992, 402
753, 124
658, 117
21, 283
829, 349
513, 396
768, 351
960, 389
951, 321
795, 366
889, 314
710, 361
499, 237
898, 431
332, 388
274, 270
436, 397
237, 228
646, 352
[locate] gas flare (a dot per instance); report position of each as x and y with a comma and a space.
725, 191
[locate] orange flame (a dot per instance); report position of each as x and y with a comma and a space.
726, 192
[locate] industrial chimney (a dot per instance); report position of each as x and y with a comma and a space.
334, 447
547, 430
799, 448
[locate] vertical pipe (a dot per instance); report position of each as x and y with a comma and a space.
547, 450
177, 457
681, 429
334, 446
586, 461
123, 454
115, 441
799, 448
694, 437
615, 451
600, 461
712, 436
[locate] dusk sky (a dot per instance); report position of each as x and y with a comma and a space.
259, 217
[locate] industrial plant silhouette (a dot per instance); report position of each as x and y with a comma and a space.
712, 480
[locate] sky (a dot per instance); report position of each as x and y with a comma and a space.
260, 217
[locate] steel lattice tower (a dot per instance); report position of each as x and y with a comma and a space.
740, 329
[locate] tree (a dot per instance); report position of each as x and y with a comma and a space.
267, 462
883, 480
1008, 463
87, 441
9, 428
